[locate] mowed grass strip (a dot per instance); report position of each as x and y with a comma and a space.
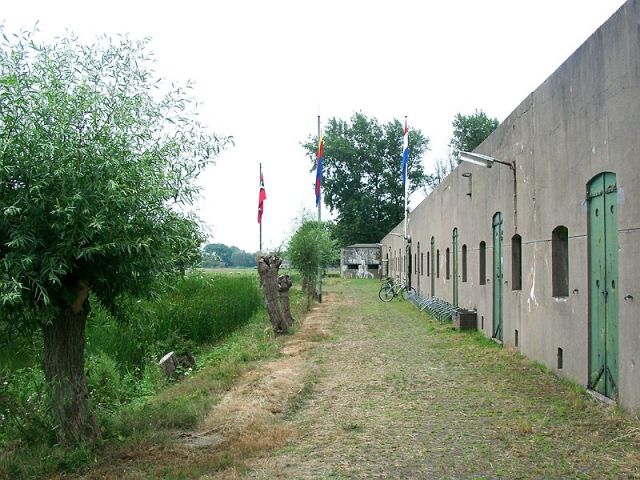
501, 413
402, 396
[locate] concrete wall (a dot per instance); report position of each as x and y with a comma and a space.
366, 259
582, 121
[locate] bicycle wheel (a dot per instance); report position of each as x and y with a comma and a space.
386, 294
408, 292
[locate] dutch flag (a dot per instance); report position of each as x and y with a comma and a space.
405, 153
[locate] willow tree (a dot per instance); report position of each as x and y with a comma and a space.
97, 159
310, 248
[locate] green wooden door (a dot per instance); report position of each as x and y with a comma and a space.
433, 264
455, 267
497, 276
603, 284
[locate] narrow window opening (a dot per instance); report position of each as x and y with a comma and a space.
482, 252
448, 264
560, 261
464, 263
415, 263
481, 322
559, 359
516, 338
428, 264
421, 263
516, 262
438, 264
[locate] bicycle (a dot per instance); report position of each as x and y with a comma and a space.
391, 289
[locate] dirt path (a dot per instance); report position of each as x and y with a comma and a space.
394, 395
249, 420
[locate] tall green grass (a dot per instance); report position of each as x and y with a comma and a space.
200, 308
122, 353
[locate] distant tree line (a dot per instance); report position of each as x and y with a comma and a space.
216, 255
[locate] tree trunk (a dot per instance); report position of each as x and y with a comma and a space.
309, 288
64, 341
268, 270
284, 284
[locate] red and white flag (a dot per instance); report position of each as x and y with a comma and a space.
261, 198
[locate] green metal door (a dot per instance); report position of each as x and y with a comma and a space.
433, 264
417, 269
497, 276
455, 267
603, 284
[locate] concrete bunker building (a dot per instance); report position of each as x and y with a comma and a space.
361, 260
546, 247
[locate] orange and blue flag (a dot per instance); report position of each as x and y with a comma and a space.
319, 159
405, 153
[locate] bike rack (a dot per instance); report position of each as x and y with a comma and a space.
440, 309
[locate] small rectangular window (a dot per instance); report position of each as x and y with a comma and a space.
482, 253
464, 263
516, 262
560, 261
448, 265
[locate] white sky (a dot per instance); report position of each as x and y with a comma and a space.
266, 69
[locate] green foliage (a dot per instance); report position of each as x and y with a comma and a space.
363, 175
311, 248
108, 385
221, 255
24, 407
199, 309
469, 131
96, 154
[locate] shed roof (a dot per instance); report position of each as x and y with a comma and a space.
364, 245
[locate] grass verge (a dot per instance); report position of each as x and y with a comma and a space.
143, 427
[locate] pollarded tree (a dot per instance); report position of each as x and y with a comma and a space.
96, 157
363, 175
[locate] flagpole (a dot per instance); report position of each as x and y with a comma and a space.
406, 187
260, 223
319, 220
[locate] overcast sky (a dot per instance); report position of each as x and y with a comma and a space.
266, 69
